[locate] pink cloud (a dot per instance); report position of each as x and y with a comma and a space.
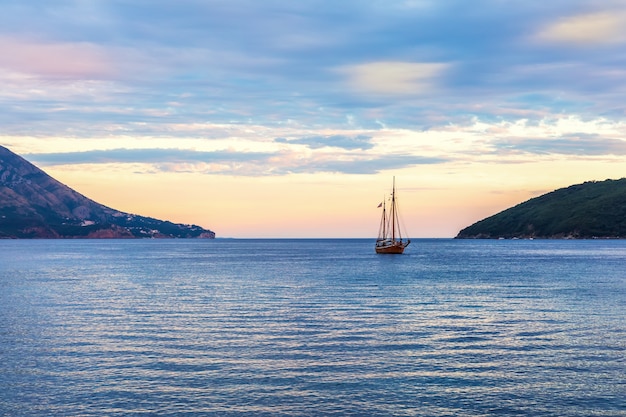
55, 60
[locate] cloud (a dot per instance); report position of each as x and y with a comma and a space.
149, 156
606, 27
370, 165
336, 141
157, 69
236, 162
394, 78
73, 60
573, 144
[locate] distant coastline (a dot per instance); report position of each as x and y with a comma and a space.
33, 205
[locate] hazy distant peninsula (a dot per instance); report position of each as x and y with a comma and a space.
35, 205
595, 209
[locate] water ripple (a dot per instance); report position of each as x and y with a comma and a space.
283, 328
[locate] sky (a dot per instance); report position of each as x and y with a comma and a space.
275, 118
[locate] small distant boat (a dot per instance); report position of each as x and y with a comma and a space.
389, 235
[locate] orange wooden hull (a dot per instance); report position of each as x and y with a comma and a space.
395, 248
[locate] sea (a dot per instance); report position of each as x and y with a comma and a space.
312, 327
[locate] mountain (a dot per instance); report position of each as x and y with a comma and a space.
35, 205
595, 209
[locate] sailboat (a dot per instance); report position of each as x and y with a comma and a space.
389, 235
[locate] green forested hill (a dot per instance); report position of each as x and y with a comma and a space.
589, 210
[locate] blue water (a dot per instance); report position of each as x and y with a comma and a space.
312, 327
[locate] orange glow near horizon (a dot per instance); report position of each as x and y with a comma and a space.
435, 201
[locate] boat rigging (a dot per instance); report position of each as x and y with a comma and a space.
390, 240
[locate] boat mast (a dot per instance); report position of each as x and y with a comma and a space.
384, 235
382, 230
393, 210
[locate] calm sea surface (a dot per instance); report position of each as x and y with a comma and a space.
312, 327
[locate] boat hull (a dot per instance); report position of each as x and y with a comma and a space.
394, 248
